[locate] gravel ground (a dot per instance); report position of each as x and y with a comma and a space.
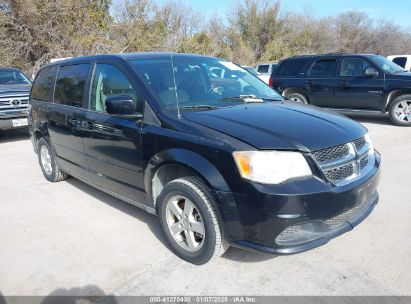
68, 238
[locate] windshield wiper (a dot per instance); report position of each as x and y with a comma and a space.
271, 99
244, 98
200, 107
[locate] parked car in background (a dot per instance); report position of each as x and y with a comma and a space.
14, 97
348, 83
403, 61
266, 69
221, 161
251, 70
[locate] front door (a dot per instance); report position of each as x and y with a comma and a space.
65, 116
113, 143
355, 89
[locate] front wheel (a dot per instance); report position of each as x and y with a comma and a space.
296, 97
400, 111
190, 222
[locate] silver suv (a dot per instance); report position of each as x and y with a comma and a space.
14, 97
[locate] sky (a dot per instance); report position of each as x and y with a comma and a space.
394, 10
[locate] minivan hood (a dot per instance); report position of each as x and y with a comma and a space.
15, 88
281, 126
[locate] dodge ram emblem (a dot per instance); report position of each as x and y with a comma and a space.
15, 102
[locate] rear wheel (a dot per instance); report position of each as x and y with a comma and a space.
400, 111
190, 222
51, 170
297, 97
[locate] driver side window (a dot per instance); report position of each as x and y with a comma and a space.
353, 67
109, 81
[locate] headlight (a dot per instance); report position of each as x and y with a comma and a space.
271, 167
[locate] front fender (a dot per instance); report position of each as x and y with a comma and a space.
197, 163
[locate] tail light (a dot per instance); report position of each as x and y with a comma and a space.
271, 80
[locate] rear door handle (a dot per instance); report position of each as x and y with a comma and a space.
308, 81
344, 82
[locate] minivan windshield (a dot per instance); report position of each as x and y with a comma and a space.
386, 65
10, 77
201, 82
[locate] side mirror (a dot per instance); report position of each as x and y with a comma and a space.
120, 105
371, 72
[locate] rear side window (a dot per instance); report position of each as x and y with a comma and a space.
324, 68
401, 61
44, 83
263, 68
70, 84
291, 68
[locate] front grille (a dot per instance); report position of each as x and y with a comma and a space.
344, 163
340, 173
14, 101
330, 154
359, 143
363, 161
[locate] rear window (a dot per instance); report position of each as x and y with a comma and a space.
401, 61
263, 68
323, 68
291, 67
44, 83
70, 84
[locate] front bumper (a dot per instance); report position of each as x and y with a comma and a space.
296, 216
6, 121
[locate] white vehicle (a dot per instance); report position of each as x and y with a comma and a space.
265, 69
403, 61
59, 59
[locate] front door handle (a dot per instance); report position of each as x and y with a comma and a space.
308, 81
344, 82
87, 124
74, 122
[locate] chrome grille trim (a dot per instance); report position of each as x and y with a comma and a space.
345, 163
6, 101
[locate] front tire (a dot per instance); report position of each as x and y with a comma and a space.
190, 221
47, 161
400, 111
297, 97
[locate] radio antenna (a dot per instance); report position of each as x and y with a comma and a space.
175, 86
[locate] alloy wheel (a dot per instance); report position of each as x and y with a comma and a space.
46, 160
185, 223
402, 111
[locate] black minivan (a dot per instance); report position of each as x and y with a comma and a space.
208, 147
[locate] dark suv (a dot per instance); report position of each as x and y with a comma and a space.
348, 83
14, 98
219, 157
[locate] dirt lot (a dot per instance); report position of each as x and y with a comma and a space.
68, 238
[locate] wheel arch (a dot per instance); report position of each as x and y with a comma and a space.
394, 94
176, 163
39, 130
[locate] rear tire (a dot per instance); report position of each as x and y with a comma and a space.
400, 111
47, 161
297, 97
190, 221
